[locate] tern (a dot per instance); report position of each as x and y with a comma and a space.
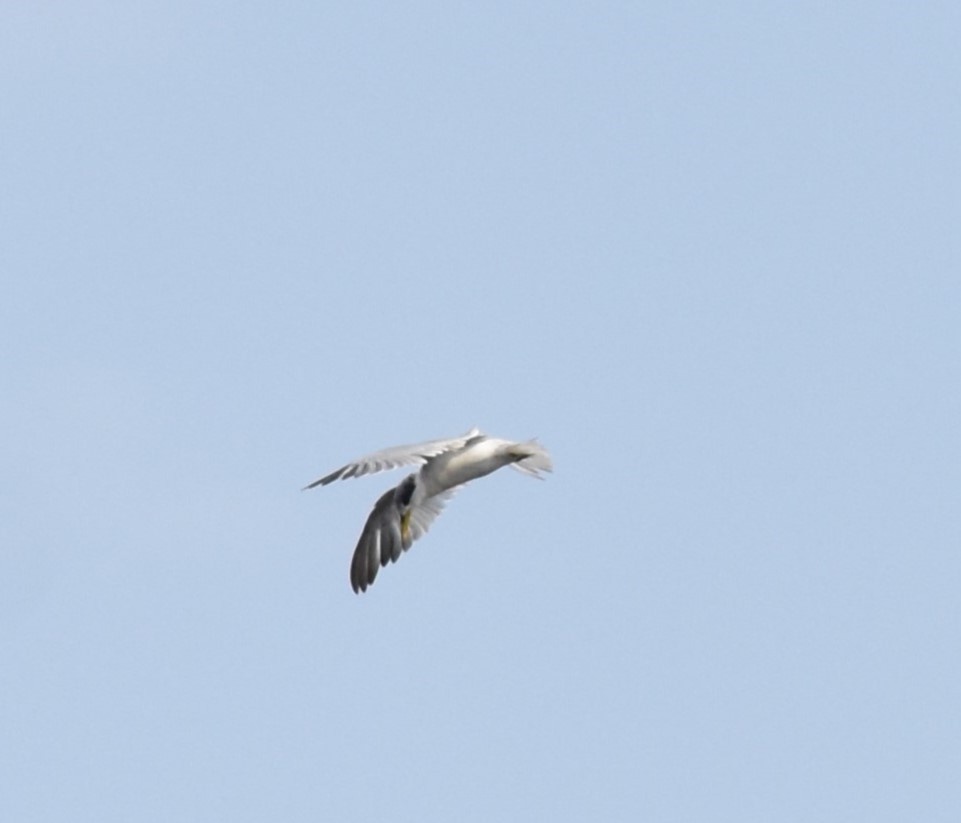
404, 513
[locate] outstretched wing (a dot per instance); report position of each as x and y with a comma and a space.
382, 540
394, 457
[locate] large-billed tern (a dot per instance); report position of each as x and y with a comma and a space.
405, 513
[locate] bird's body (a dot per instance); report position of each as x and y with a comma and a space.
479, 456
403, 514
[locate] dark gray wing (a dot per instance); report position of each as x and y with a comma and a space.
381, 541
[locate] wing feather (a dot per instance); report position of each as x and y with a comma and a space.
381, 541
394, 457
422, 516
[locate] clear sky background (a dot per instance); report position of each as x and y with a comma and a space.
710, 254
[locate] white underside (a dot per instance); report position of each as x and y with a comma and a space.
457, 467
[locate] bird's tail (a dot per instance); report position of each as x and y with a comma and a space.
532, 458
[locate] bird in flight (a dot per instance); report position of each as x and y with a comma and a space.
405, 513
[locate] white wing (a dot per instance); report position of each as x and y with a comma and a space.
394, 457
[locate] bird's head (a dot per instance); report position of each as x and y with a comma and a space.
405, 492
403, 495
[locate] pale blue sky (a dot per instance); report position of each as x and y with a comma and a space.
708, 253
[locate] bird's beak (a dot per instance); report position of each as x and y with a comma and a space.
405, 528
